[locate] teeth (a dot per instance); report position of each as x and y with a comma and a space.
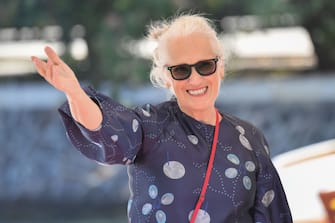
197, 92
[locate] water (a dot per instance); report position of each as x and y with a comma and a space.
63, 214
97, 220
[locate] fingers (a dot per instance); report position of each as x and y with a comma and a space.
49, 71
40, 65
52, 55
43, 68
53, 64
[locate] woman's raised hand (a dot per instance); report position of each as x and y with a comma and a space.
60, 75
57, 73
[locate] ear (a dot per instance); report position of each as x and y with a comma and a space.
221, 68
222, 74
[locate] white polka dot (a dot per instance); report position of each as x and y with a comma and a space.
167, 199
233, 158
202, 217
146, 208
245, 142
153, 191
135, 125
240, 129
174, 169
250, 166
160, 216
193, 139
231, 173
115, 138
146, 113
247, 182
268, 198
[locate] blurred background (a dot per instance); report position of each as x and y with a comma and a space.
280, 75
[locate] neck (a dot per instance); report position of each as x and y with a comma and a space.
207, 116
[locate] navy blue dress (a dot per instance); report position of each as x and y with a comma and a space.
167, 151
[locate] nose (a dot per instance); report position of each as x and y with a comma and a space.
195, 77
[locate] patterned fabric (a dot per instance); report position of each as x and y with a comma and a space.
166, 153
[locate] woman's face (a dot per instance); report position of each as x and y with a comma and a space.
196, 93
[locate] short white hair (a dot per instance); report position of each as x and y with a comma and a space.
181, 25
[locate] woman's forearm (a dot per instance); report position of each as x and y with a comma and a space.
84, 110
61, 76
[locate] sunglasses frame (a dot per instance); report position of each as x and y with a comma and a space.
170, 68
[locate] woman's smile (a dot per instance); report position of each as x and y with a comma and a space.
197, 92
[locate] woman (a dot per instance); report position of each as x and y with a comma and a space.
170, 148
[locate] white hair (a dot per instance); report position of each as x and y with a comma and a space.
181, 25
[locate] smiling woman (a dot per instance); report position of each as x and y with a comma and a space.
186, 159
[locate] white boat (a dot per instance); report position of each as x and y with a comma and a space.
305, 173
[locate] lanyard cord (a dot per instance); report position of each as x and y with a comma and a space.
208, 171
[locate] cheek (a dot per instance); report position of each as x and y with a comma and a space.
176, 85
178, 88
170, 83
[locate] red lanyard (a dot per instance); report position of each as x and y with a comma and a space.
208, 171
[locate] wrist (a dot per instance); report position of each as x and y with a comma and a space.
75, 94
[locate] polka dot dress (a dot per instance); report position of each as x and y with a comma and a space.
166, 153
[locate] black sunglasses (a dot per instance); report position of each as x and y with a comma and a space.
203, 67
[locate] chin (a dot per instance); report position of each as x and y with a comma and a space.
199, 107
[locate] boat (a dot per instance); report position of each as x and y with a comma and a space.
308, 178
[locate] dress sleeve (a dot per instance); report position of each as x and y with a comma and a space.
270, 201
119, 138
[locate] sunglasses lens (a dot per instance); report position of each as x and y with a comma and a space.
181, 72
207, 67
